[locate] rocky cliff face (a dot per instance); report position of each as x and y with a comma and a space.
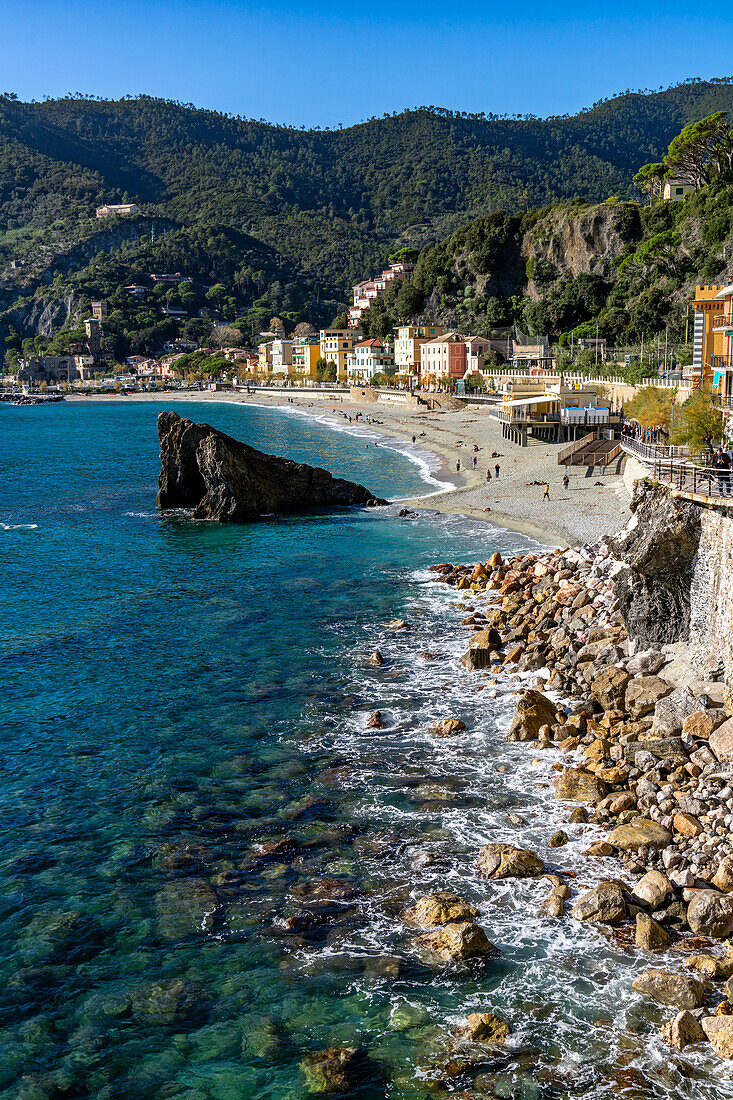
658, 545
585, 241
219, 478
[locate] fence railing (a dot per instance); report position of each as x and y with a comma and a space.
700, 480
652, 452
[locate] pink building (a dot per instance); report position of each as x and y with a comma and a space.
369, 290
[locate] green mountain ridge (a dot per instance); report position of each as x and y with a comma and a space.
284, 219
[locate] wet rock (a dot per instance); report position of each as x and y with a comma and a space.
579, 816
448, 727
643, 694
719, 1030
337, 1071
485, 1027
684, 1030
175, 856
639, 833
166, 1002
459, 942
376, 659
554, 904
653, 889
650, 935
711, 914
598, 848
482, 646
578, 785
609, 687
604, 904
498, 861
437, 909
374, 721
397, 624
558, 839
721, 742
668, 988
184, 907
711, 967
533, 711
323, 891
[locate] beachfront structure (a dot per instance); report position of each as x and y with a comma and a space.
709, 341
367, 291
116, 208
306, 353
84, 366
551, 410
532, 354
408, 340
369, 358
275, 356
335, 344
677, 190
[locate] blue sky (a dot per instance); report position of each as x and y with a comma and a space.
325, 64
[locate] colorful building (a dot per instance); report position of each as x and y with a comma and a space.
721, 365
369, 357
452, 357
335, 344
709, 341
366, 292
306, 353
407, 344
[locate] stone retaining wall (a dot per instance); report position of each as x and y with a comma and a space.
711, 611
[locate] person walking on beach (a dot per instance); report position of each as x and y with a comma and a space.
475, 460
458, 466
565, 481
496, 470
546, 494
488, 476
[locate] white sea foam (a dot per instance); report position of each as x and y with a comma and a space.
19, 526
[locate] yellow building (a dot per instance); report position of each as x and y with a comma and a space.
265, 357
709, 338
336, 344
407, 345
306, 353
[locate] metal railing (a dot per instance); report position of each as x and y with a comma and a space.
652, 452
693, 480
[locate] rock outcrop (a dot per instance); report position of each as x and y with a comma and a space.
219, 478
658, 545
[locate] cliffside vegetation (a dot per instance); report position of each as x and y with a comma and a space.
267, 219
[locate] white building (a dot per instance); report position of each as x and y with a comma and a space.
370, 357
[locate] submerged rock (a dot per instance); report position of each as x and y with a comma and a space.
184, 908
337, 1071
485, 1027
166, 1002
219, 478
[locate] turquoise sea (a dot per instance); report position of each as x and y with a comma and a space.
205, 850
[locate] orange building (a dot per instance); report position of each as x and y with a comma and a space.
709, 339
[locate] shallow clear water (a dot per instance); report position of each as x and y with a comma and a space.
177, 695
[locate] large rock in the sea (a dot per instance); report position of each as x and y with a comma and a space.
505, 861
459, 942
534, 710
432, 910
669, 988
338, 1071
604, 904
711, 914
219, 478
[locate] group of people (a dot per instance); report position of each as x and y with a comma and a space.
722, 465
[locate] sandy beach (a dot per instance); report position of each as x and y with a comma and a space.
593, 505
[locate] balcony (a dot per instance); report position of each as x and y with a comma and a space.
721, 323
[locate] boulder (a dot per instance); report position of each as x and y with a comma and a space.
684, 1030
433, 910
714, 968
639, 833
711, 914
448, 727
459, 942
554, 904
609, 687
533, 711
498, 861
643, 693
653, 889
668, 988
723, 877
663, 748
604, 904
719, 1030
670, 713
578, 785
650, 935
486, 1027
700, 724
721, 742
374, 721
338, 1071
219, 478
686, 824
647, 662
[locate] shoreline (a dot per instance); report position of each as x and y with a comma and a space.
591, 509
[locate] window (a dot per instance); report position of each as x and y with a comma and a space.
679, 191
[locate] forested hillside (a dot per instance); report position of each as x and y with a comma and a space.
285, 219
